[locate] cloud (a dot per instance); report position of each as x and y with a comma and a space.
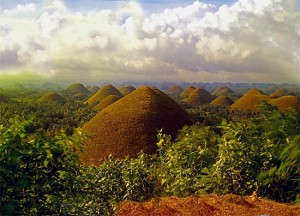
21, 9
250, 40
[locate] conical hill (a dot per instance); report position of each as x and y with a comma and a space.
285, 102
278, 93
222, 101
130, 125
52, 97
187, 91
106, 102
222, 91
103, 93
78, 88
175, 89
94, 89
199, 97
125, 90
250, 101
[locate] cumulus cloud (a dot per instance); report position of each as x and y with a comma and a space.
250, 40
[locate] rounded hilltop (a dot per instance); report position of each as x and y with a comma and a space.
186, 92
222, 91
279, 92
106, 102
52, 97
284, 103
76, 88
250, 101
103, 93
174, 90
94, 89
222, 101
199, 97
131, 124
125, 90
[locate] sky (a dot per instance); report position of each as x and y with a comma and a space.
151, 40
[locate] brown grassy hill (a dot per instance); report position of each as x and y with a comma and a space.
80, 96
78, 88
278, 93
285, 102
106, 102
222, 101
125, 90
52, 97
199, 97
250, 101
130, 125
103, 93
3, 98
175, 89
187, 91
222, 91
94, 89
208, 205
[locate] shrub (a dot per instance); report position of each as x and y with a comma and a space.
37, 172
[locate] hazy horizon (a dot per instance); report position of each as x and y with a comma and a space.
238, 41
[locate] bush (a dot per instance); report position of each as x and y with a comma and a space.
37, 172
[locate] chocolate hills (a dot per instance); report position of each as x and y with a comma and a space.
223, 90
285, 102
199, 97
250, 101
78, 88
278, 93
103, 93
222, 101
186, 92
125, 90
106, 102
94, 89
175, 89
52, 97
130, 125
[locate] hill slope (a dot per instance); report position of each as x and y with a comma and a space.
130, 125
250, 101
103, 93
199, 97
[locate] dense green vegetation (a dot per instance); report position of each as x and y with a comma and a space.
47, 116
223, 152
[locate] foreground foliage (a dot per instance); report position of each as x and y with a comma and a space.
42, 175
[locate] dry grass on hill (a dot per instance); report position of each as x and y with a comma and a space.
130, 125
175, 89
127, 89
103, 93
278, 93
199, 97
106, 102
208, 205
250, 101
78, 88
222, 91
222, 101
52, 97
94, 89
186, 92
283, 103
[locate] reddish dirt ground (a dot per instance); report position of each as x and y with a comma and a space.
211, 205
